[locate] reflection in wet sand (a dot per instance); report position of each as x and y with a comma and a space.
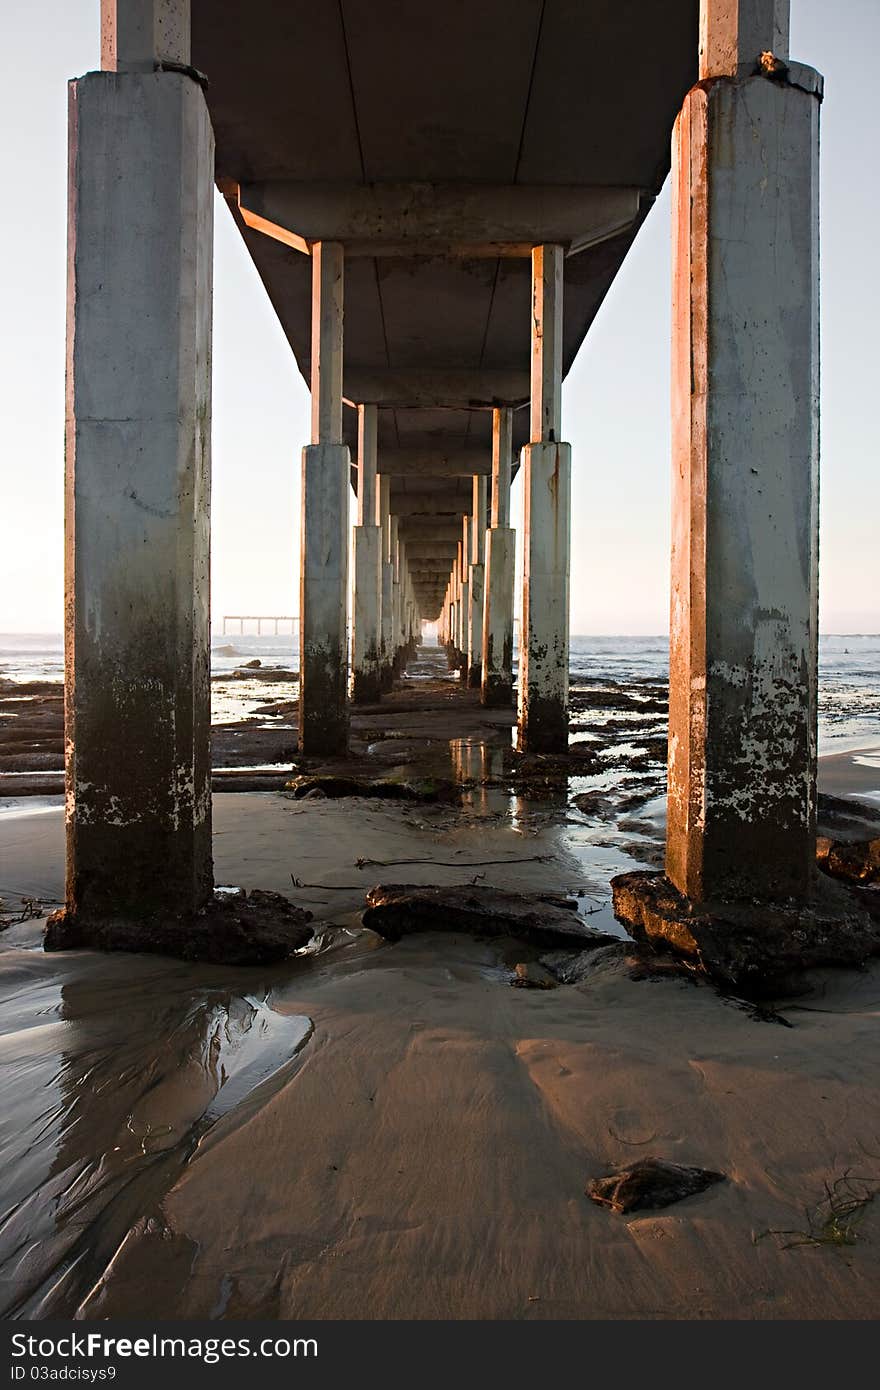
113, 1079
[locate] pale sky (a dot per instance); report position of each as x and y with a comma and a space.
615, 401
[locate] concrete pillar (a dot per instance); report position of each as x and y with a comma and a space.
497, 684
743, 651
462, 625
543, 692
464, 557
366, 637
394, 523
476, 584
383, 497
138, 438
323, 707
139, 35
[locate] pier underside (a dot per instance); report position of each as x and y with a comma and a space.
437, 200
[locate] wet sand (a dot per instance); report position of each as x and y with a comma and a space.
377, 1130
392, 1131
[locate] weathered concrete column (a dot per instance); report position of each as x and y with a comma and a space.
743, 652
497, 685
394, 523
386, 663
366, 637
323, 707
476, 579
543, 685
138, 438
464, 598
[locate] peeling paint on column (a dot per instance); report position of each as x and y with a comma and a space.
366, 672
744, 623
323, 701
137, 497
544, 652
475, 627
497, 687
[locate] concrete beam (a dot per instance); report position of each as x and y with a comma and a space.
435, 388
430, 505
425, 529
434, 462
469, 220
426, 552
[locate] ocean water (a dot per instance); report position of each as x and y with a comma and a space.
849, 670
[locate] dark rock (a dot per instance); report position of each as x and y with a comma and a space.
839, 816
235, 780
249, 672
235, 928
756, 949
596, 803
824, 846
425, 789
251, 665
531, 975
650, 1183
858, 861
574, 968
397, 910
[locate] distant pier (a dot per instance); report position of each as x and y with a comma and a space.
259, 619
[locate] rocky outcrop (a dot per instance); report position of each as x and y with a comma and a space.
235, 928
397, 910
756, 949
856, 861
416, 789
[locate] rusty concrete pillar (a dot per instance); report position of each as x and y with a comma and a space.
394, 524
463, 624
543, 685
323, 704
137, 446
476, 582
366, 636
497, 685
383, 516
743, 652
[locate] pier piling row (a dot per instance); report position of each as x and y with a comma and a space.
434, 299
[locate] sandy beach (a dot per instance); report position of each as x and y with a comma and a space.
378, 1130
